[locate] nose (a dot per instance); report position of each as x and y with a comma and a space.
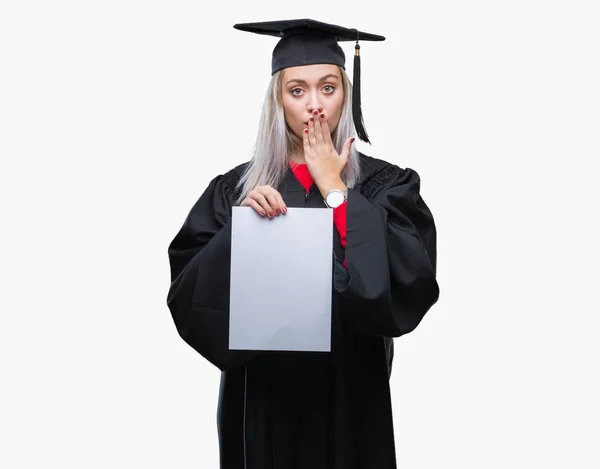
314, 104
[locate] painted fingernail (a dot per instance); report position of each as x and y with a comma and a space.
277, 211
322, 116
271, 214
315, 112
305, 131
352, 139
311, 119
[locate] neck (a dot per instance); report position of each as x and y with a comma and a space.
298, 159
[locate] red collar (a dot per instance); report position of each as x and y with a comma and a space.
302, 173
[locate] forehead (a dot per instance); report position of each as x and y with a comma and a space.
310, 72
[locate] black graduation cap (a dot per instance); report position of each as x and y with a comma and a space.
307, 42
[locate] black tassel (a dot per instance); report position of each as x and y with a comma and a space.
359, 125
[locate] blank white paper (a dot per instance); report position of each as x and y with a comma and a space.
281, 280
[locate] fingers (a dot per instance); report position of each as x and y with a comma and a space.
248, 202
318, 131
266, 201
305, 140
346, 149
312, 139
317, 125
276, 209
281, 202
275, 200
325, 130
258, 202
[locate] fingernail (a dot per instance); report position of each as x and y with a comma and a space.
311, 119
322, 116
271, 214
284, 209
305, 131
277, 211
315, 112
263, 213
352, 140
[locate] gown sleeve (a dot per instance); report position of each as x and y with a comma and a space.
339, 220
390, 282
199, 258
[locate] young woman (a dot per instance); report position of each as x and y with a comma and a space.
284, 410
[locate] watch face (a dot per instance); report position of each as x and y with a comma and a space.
335, 199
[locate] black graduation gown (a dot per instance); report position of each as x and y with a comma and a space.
304, 410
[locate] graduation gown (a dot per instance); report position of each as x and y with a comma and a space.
305, 410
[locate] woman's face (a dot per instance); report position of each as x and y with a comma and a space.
310, 87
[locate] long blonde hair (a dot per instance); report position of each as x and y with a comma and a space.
274, 143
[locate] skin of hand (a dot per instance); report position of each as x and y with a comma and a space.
324, 163
266, 201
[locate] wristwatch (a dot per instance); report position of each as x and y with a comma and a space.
335, 198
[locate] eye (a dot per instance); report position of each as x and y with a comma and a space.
329, 86
296, 89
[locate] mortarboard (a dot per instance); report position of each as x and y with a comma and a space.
307, 42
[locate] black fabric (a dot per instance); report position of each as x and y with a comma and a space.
302, 410
306, 41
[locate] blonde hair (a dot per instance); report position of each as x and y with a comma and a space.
274, 142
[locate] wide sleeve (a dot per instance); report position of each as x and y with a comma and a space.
199, 258
390, 282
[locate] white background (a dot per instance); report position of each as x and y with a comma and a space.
114, 116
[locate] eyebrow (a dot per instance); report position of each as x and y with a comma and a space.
298, 80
